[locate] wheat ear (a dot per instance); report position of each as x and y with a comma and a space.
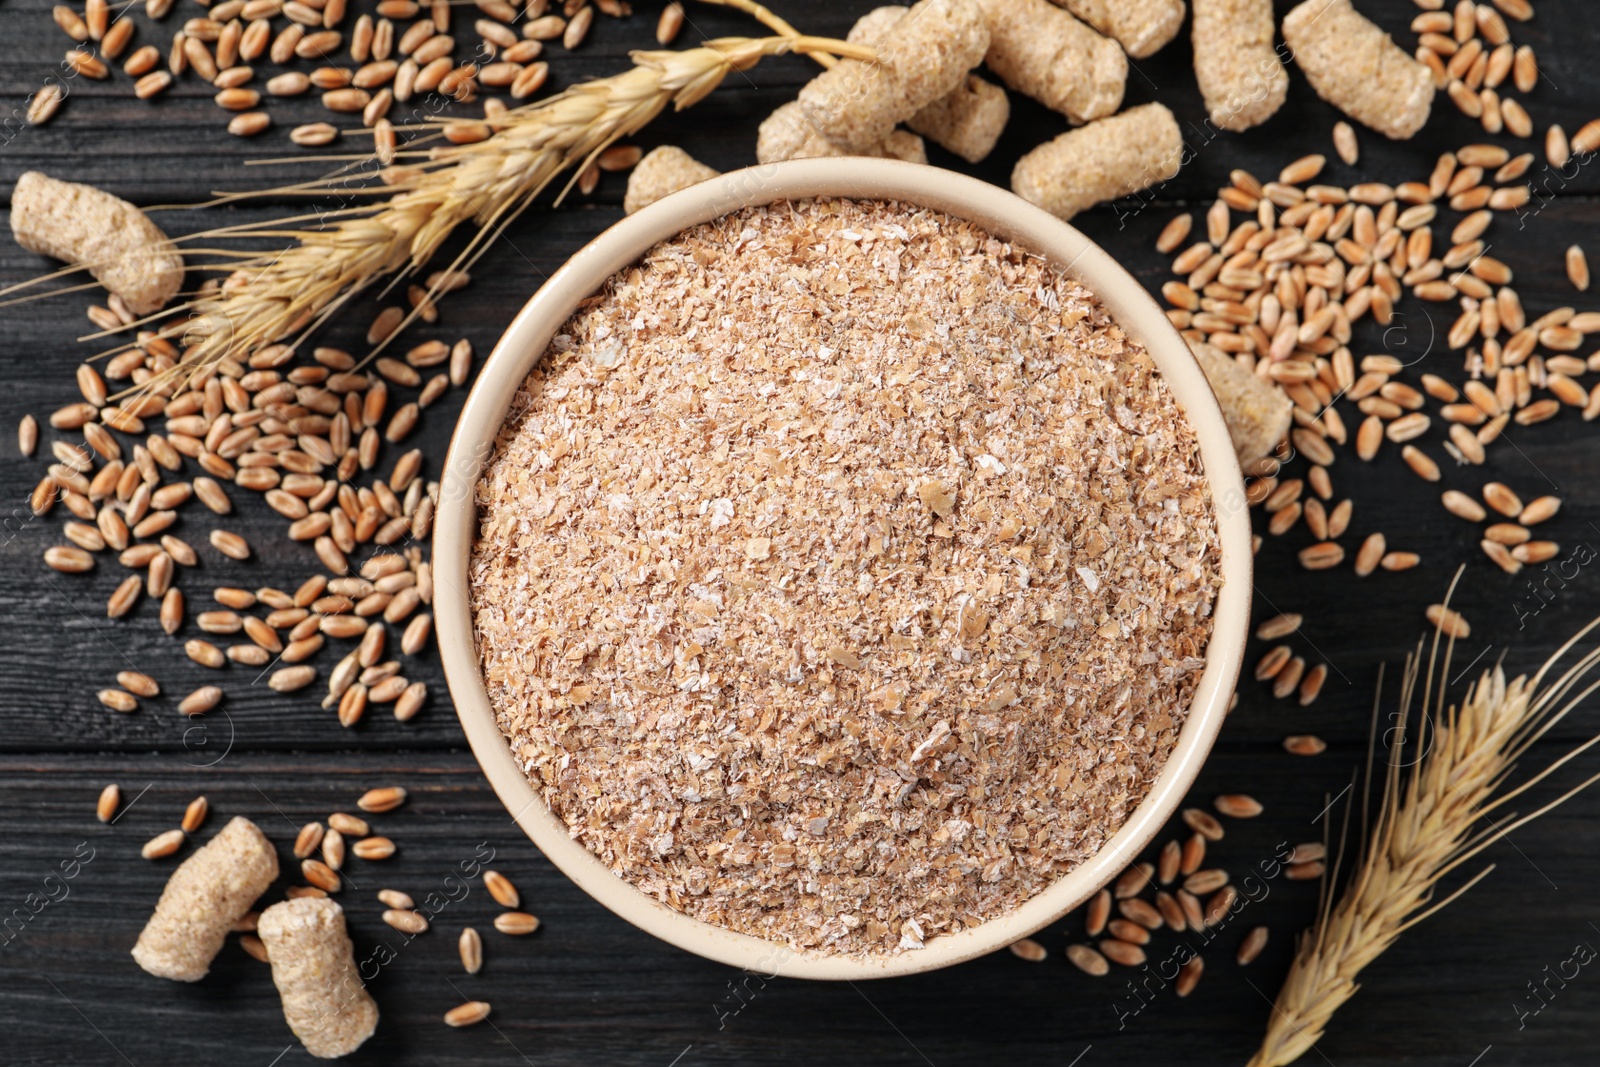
1430, 821
281, 296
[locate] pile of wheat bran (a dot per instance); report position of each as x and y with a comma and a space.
844, 574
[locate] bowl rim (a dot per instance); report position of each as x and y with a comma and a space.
1000, 213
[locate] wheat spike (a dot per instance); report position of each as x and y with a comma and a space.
281, 296
1429, 823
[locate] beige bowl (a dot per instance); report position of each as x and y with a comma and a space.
996, 211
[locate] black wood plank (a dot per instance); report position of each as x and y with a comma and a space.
588, 987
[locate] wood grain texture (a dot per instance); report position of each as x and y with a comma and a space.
588, 988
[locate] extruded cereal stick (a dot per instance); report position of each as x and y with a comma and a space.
1102, 161
1257, 412
115, 241
1041, 50
204, 897
1142, 27
313, 966
1240, 73
921, 59
968, 121
871, 28
788, 134
663, 172
1356, 67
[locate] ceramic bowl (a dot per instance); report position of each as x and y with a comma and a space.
998, 212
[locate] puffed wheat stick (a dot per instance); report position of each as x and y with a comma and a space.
788, 134
1101, 161
968, 120
1356, 67
922, 58
1142, 27
120, 246
1257, 412
663, 172
1040, 50
204, 897
313, 966
1240, 73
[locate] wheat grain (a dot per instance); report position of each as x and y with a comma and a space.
1099, 911
1370, 554
1507, 533
249, 123
1345, 143
1421, 463
308, 839
1087, 960
1535, 551
1208, 881
1304, 745
1171, 911
373, 848
386, 798
671, 21
66, 559
516, 923
1122, 952
1167, 864
407, 922
501, 889
1288, 679
393, 898
1279, 626
1189, 976
1237, 806
320, 875
1194, 854
1204, 824
1463, 506
1030, 950
470, 945
1311, 685
117, 700
71, 23
1321, 556
162, 845
1132, 881
1273, 662
106, 806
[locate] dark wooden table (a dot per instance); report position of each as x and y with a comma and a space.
589, 988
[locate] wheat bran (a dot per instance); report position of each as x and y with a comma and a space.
845, 575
